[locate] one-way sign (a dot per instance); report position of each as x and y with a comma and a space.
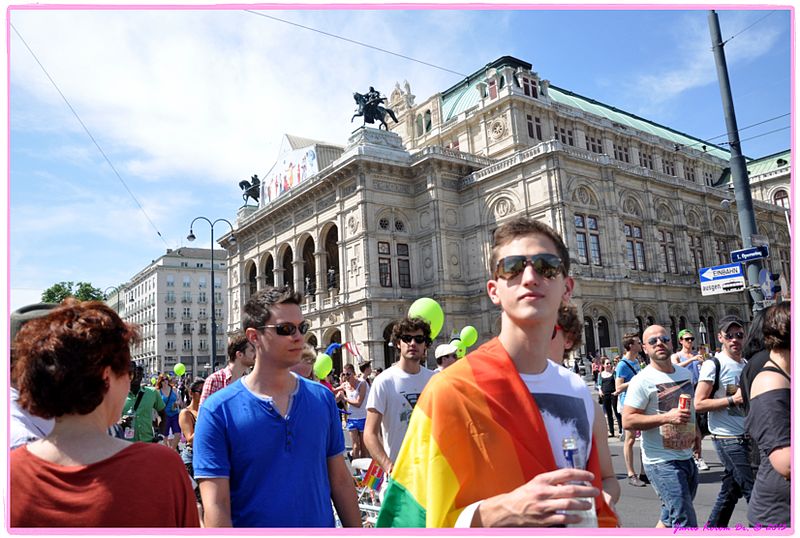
722, 279
747, 254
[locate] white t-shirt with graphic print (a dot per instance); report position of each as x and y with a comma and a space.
394, 394
566, 406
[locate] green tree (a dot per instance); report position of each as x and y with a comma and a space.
82, 291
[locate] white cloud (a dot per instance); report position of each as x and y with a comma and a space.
209, 93
693, 63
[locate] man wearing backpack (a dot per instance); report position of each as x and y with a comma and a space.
627, 368
718, 393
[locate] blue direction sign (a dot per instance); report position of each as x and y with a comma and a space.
747, 254
722, 279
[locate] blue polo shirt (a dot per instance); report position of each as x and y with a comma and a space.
277, 466
626, 369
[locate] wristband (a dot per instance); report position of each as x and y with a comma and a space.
730, 401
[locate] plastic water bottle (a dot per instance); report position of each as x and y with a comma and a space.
575, 461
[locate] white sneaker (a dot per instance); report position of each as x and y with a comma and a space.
701, 464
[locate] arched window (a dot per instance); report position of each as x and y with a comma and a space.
288, 268
388, 348
269, 271
251, 281
588, 334
603, 332
682, 323
639, 326
428, 122
781, 198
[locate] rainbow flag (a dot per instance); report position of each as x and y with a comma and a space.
475, 432
374, 477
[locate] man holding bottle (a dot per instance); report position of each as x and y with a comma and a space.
659, 403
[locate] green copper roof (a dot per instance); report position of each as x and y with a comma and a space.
566, 97
464, 95
770, 163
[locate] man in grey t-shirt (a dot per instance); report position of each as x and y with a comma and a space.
726, 420
668, 432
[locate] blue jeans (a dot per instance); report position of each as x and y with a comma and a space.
675, 483
737, 480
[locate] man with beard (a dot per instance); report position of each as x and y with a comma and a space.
726, 419
668, 430
394, 393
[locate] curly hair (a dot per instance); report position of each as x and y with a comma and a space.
61, 358
572, 326
778, 326
258, 309
407, 325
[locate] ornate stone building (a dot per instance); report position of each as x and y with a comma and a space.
368, 228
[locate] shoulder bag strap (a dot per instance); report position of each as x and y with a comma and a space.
777, 369
716, 376
138, 400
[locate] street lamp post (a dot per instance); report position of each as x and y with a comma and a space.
191, 237
115, 289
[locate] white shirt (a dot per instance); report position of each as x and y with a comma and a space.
24, 426
394, 395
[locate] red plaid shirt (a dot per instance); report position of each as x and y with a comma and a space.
216, 381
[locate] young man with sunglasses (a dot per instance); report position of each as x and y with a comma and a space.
653, 406
688, 358
726, 419
241, 357
395, 392
268, 449
485, 444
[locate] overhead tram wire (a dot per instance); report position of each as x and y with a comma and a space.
743, 31
366, 45
707, 140
103, 153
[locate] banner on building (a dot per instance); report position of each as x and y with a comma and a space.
291, 169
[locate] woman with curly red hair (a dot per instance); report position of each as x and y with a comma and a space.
74, 365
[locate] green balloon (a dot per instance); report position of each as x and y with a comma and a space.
461, 348
153, 380
323, 366
179, 368
469, 335
430, 311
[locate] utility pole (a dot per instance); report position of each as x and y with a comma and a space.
741, 183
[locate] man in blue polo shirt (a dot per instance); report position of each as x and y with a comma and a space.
627, 368
268, 449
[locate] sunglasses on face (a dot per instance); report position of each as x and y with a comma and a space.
545, 265
688, 338
739, 335
418, 338
288, 329
664, 340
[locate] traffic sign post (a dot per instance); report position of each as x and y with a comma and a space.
722, 279
748, 254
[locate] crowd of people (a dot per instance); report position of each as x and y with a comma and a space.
504, 437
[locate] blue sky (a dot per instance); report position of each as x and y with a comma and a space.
187, 103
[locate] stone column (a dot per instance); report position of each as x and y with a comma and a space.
321, 281
297, 266
279, 277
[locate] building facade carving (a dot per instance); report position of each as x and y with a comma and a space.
409, 213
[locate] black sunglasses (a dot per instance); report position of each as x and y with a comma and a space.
288, 329
688, 338
653, 340
739, 335
418, 338
545, 265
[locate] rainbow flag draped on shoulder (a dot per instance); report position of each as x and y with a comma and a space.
475, 432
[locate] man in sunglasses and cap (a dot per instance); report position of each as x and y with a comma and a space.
726, 419
269, 448
491, 438
691, 360
394, 394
